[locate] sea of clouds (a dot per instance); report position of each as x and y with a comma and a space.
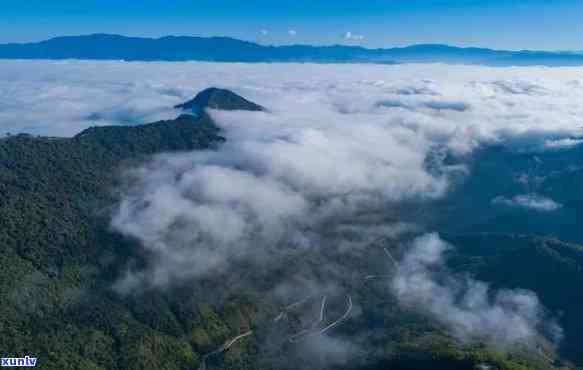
461, 104
338, 144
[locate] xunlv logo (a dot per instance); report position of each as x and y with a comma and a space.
19, 361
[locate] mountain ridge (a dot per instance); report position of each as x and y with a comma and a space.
102, 46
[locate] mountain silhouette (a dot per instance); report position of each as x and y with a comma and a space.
216, 98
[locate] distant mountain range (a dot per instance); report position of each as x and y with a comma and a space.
225, 49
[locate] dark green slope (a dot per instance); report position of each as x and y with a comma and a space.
503, 171
57, 258
48, 185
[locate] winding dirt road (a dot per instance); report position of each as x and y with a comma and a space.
393, 260
223, 348
311, 332
284, 311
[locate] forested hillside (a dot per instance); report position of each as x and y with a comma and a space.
58, 260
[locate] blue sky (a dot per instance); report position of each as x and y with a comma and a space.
509, 24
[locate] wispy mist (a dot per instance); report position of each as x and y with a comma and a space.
469, 308
528, 201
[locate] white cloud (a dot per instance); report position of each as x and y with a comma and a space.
353, 36
462, 104
278, 176
529, 201
468, 307
562, 143
292, 33
264, 32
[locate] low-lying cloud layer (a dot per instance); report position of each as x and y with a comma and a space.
462, 103
283, 184
340, 145
469, 308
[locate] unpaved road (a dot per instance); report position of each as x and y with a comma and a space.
223, 348
310, 332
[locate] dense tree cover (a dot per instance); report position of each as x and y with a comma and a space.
59, 260
500, 170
